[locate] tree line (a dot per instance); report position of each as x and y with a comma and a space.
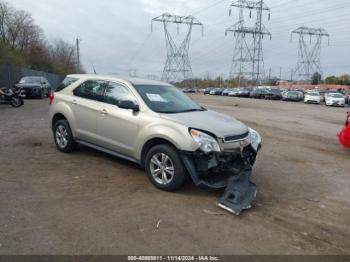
23, 44
207, 82
338, 80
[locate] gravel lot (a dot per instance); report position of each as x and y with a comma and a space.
92, 203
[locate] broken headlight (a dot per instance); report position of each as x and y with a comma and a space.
255, 139
206, 142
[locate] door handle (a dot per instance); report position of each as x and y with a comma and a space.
104, 112
74, 102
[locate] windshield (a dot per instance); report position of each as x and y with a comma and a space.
30, 80
294, 93
313, 94
167, 99
66, 82
336, 95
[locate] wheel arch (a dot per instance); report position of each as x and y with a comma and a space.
57, 117
150, 144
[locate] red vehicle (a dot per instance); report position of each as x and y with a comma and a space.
344, 135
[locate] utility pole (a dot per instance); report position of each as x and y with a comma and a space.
270, 74
309, 54
280, 73
177, 66
78, 52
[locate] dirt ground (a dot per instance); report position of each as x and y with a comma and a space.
92, 203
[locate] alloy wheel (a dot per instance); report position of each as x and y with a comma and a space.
162, 168
61, 136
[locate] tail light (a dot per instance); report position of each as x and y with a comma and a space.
51, 97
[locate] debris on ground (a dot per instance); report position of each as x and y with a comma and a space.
213, 213
159, 222
312, 200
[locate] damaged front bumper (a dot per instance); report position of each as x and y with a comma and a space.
231, 170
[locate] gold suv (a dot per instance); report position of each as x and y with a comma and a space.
153, 124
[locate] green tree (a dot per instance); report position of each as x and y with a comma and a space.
316, 78
344, 80
331, 80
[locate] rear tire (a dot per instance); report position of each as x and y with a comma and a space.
164, 168
63, 137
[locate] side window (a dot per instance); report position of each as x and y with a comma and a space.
91, 89
117, 92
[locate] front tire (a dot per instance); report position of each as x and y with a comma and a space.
63, 137
16, 102
164, 168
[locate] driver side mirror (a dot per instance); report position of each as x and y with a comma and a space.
128, 104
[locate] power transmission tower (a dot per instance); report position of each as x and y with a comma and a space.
132, 72
177, 66
248, 58
309, 53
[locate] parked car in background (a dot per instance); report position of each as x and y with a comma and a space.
35, 86
207, 91
295, 96
258, 92
347, 98
312, 97
335, 99
273, 94
189, 90
226, 91
244, 92
217, 91
233, 92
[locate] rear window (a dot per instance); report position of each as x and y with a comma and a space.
66, 82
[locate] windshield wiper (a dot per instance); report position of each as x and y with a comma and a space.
192, 110
184, 111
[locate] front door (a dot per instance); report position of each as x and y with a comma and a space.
117, 127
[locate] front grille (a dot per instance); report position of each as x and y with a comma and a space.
228, 139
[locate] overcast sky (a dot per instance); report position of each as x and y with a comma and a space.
116, 34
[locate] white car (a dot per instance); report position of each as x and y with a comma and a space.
234, 92
335, 99
312, 97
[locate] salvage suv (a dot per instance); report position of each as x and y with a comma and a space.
155, 125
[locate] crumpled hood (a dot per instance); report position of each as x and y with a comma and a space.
213, 122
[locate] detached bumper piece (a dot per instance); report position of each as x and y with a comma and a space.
229, 170
239, 193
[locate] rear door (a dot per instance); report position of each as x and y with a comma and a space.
86, 107
117, 127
